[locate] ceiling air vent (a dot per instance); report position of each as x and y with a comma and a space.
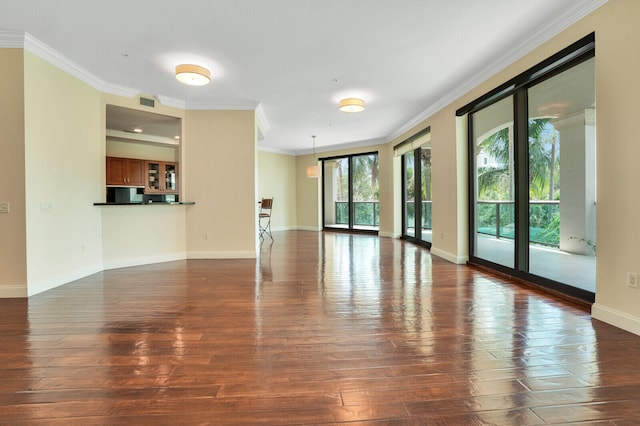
147, 102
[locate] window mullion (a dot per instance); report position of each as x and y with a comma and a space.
521, 165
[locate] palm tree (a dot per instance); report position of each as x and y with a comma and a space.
497, 182
365, 178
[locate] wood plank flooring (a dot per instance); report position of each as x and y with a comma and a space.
323, 328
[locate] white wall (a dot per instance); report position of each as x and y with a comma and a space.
139, 235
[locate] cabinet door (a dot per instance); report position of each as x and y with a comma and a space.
116, 171
171, 177
136, 172
154, 180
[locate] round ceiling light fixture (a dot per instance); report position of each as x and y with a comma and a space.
351, 105
193, 75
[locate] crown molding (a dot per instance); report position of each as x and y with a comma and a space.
321, 149
263, 123
55, 58
12, 39
172, 102
563, 21
342, 146
115, 89
289, 152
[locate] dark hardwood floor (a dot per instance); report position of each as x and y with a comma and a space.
321, 329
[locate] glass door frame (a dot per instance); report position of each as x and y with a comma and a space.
517, 88
351, 209
415, 148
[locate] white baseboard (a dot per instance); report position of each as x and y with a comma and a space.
284, 228
309, 228
388, 234
13, 291
38, 287
221, 255
616, 318
139, 261
453, 258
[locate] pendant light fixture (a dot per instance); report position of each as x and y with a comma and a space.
193, 75
313, 171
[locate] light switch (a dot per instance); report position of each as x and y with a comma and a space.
4, 207
46, 207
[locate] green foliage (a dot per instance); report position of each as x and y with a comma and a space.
549, 230
496, 182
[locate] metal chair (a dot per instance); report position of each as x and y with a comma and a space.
264, 217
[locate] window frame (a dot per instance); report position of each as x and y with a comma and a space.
576, 53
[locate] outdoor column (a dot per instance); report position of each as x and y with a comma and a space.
577, 182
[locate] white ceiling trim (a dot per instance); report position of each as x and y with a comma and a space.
11, 39
318, 150
55, 58
261, 123
276, 150
544, 34
343, 146
171, 102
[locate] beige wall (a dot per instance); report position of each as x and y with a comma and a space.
277, 180
13, 256
128, 149
220, 156
308, 190
618, 150
62, 176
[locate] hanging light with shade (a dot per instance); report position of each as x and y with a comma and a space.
313, 171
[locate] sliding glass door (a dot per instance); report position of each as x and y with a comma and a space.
532, 174
350, 192
562, 170
494, 196
416, 188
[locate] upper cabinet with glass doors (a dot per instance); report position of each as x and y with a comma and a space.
162, 177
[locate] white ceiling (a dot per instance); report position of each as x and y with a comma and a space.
295, 59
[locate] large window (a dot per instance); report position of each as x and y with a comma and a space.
532, 174
350, 192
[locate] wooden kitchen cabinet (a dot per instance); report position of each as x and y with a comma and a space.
125, 171
161, 177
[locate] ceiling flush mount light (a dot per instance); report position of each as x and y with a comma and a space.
351, 105
313, 171
193, 75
